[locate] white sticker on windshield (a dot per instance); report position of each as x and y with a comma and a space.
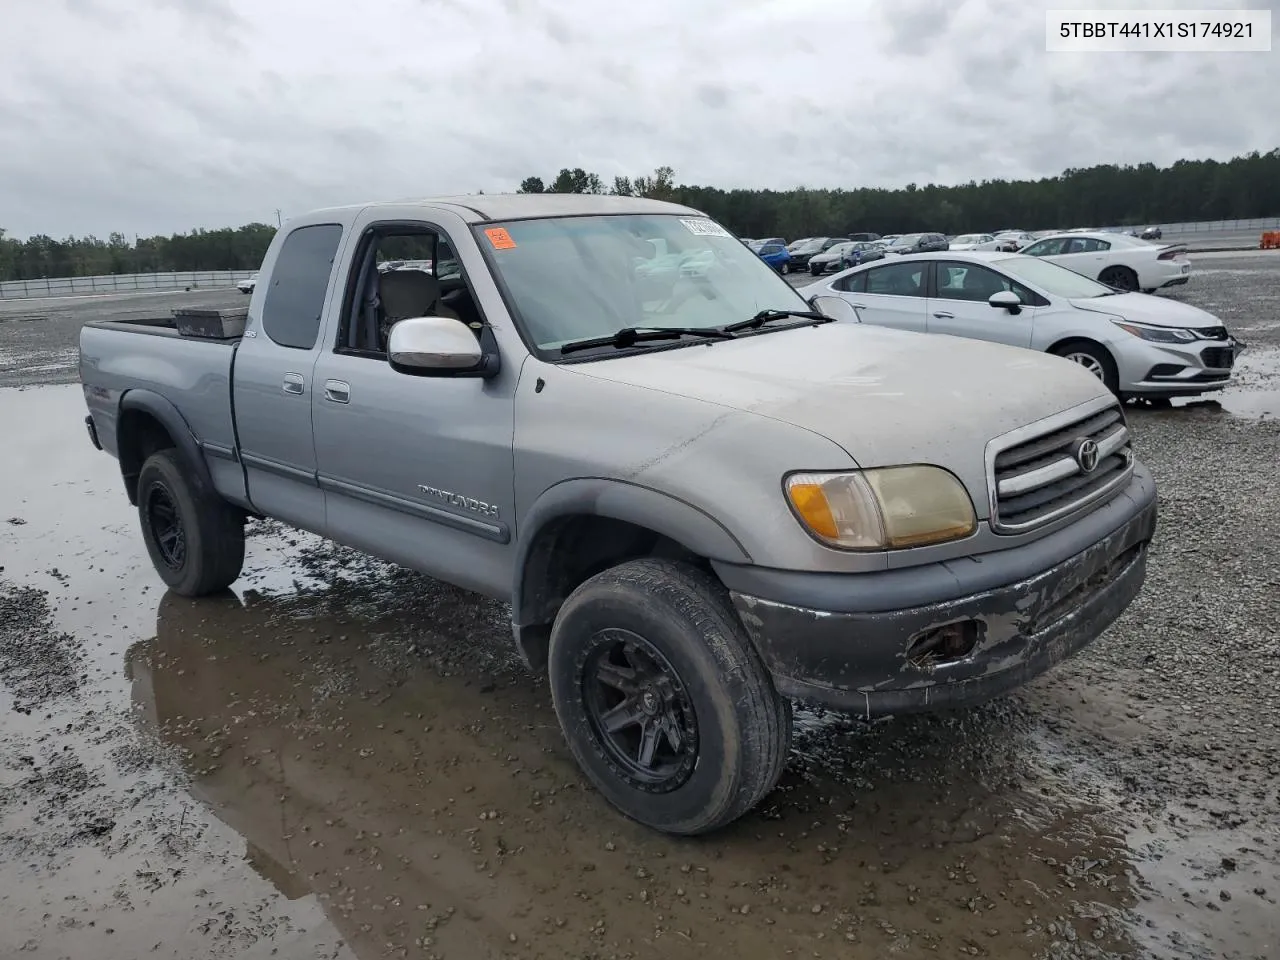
705, 228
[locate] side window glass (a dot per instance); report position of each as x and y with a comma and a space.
291, 313
898, 279
853, 283
1046, 248
446, 265
967, 281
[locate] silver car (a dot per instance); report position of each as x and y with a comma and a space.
1138, 345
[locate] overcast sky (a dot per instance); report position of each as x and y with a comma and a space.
151, 116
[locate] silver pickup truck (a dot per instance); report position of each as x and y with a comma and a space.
701, 499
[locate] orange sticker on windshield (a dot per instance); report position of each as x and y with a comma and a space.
500, 239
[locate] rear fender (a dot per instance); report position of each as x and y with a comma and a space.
163, 411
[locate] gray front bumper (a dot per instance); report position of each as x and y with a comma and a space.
833, 639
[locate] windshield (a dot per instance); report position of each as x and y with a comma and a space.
908, 239
1053, 279
572, 278
970, 238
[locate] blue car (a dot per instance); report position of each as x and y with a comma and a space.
776, 256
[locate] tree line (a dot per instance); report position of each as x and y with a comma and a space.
238, 248
1108, 195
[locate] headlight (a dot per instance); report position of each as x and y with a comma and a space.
1158, 334
885, 509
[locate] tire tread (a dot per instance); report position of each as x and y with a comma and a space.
699, 598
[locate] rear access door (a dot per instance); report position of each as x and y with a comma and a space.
272, 380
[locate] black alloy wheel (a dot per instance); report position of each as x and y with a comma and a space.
639, 711
166, 525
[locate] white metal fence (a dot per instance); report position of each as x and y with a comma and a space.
121, 283
1222, 226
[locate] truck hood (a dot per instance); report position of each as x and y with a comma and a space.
1151, 310
886, 396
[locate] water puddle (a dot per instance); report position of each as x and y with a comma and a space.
340, 758
1254, 393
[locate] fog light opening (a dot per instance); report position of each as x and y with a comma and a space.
939, 646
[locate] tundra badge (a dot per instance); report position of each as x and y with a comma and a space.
458, 500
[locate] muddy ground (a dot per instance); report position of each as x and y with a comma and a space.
344, 759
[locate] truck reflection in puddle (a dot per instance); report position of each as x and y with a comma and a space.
434, 809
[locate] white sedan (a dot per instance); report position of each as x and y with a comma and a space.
1007, 241
1138, 345
971, 241
1116, 259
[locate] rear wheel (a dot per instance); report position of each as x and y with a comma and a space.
1093, 357
195, 539
1122, 278
663, 700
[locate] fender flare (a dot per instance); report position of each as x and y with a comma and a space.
688, 525
163, 410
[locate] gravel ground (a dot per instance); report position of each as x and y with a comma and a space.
343, 759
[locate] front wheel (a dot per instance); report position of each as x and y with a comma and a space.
785, 268
1093, 357
195, 538
664, 702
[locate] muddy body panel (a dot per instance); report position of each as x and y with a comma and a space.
992, 626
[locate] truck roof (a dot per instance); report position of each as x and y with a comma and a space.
477, 208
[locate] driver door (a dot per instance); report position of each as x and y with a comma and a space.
418, 470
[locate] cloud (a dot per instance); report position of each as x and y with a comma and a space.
163, 115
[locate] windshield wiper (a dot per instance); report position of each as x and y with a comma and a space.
630, 336
765, 316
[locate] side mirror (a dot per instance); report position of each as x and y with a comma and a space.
837, 308
1006, 300
438, 347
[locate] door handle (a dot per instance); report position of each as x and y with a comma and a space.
337, 391
293, 383
944, 316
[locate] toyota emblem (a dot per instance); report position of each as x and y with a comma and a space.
1087, 455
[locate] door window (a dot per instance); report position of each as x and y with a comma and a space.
853, 283
402, 271
299, 280
897, 279
968, 281
1046, 248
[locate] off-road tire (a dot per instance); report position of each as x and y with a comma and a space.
743, 727
211, 529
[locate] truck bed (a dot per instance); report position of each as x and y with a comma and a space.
158, 327
190, 376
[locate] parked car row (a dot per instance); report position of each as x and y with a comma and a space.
1139, 346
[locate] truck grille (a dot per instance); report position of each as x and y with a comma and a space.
1037, 474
